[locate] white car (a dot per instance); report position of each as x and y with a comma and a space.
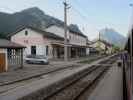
36, 59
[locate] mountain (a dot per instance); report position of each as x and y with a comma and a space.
29, 17
113, 37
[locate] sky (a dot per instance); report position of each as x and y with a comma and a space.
90, 15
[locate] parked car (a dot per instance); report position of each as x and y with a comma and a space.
36, 59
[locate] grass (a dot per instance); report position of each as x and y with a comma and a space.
88, 61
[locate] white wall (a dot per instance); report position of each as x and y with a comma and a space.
98, 44
32, 39
74, 38
56, 30
77, 39
87, 51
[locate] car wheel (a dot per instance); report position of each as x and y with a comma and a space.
27, 62
42, 62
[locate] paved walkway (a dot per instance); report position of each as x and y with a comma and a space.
30, 71
110, 87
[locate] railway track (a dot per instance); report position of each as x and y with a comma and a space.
39, 75
45, 73
15, 84
73, 90
67, 85
79, 86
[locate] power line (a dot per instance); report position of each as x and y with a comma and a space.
76, 10
81, 8
81, 15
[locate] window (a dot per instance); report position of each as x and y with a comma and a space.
26, 33
47, 50
70, 37
33, 50
25, 41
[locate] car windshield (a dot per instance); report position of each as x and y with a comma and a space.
40, 57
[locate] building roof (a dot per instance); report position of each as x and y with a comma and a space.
107, 43
75, 29
8, 44
69, 45
72, 28
44, 33
103, 41
89, 42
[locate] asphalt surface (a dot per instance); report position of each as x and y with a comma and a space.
110, 87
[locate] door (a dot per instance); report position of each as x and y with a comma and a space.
2, 62
47, 49
33, 50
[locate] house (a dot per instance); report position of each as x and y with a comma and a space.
76, 39
90, 49
10, 54
102, 46
37, 42
50, 42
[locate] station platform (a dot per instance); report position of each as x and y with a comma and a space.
110, 87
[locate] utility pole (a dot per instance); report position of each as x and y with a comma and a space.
65, 31
99, 47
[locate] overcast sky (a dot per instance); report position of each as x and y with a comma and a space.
90, 15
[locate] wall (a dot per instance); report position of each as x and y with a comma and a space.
57, 30
87, 51
32, 39
74, 38
77, 39
5, 52
99, 45
110, 50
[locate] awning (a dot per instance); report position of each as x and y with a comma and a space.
69, 45
8, 44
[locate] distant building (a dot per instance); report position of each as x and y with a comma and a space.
91, 50
102, 46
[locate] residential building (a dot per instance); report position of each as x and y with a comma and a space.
37, 42
102, 46
50, 42
77, 41
90, 50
